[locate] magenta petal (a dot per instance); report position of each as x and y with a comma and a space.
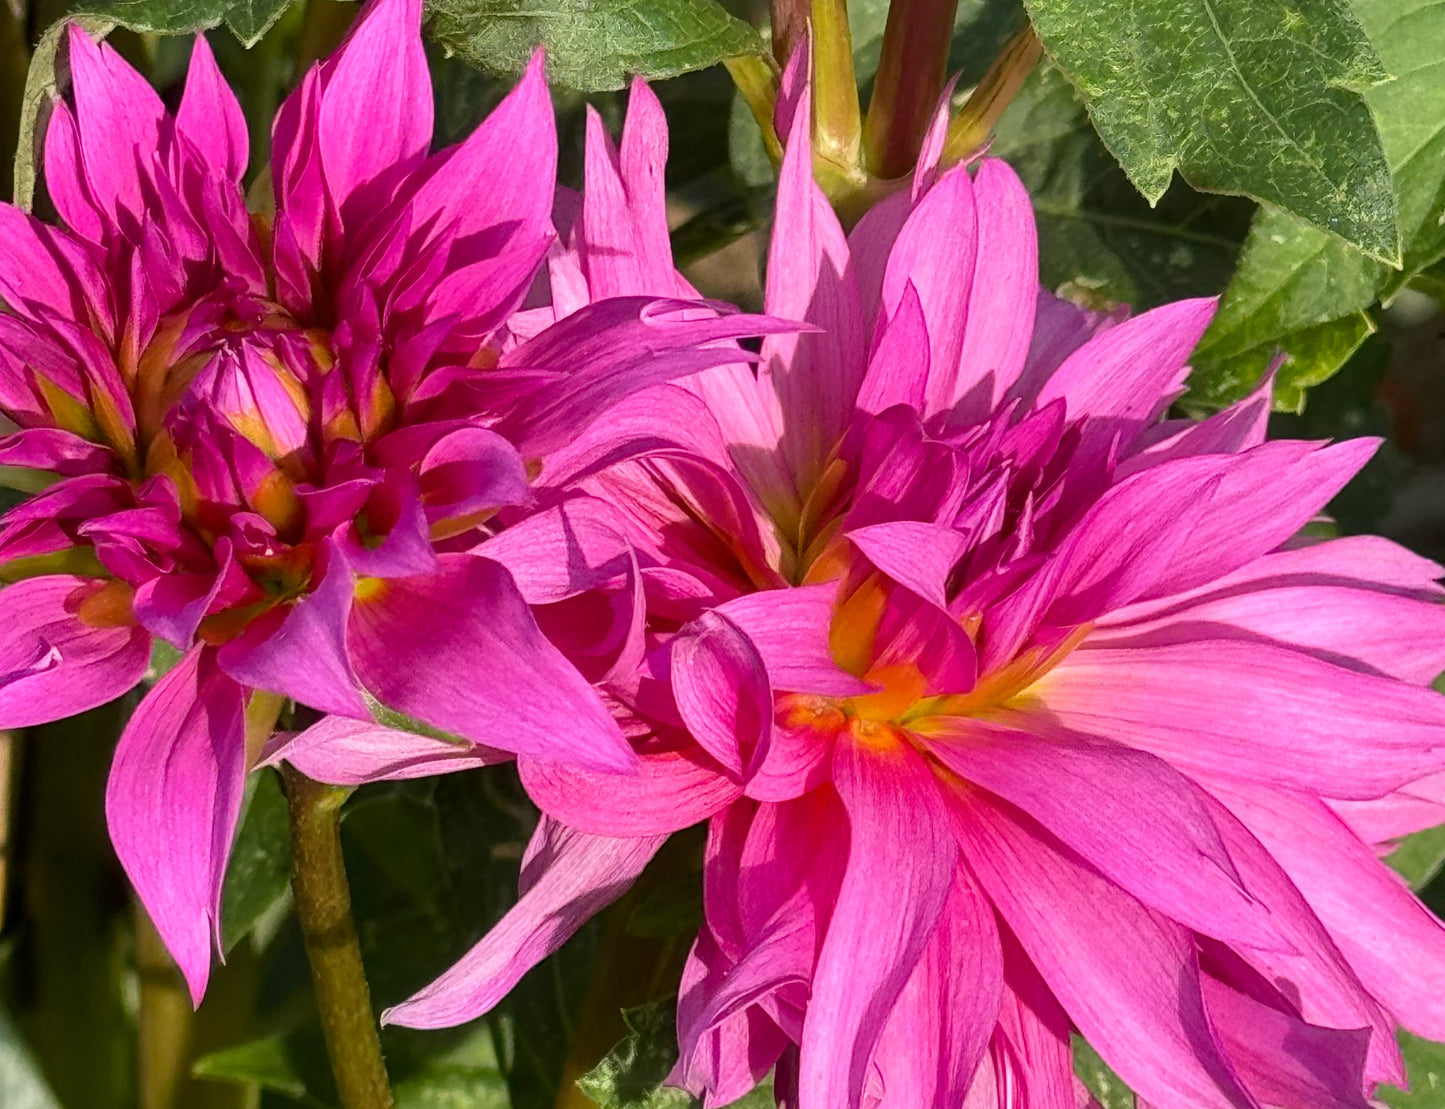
1127, 976
210, 116
669, 792
1289, 718
173, 800
789, 628
1394, 943
915, 554
1140, 822
118, 118
304, 656
1129, 374
815, 375
722, 691
376, 108
901, 857
460, 651
51, 664
945, 1017
583, 875
1285, 1061
354, 752
1001, 299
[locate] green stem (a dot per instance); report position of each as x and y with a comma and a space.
165, 1018
323, 904
980, 114
911, 71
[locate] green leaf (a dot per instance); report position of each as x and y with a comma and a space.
1297, 290
258, 875
293, 1064
1261, 98
1425, 1062
632, 1073
163, 17
592, 45
1294, 278
21, 1086
1097, 237
1096, 1074
266, 1063
1410, 111
249, 20
1420, 856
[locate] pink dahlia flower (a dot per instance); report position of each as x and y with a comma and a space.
1015, 709
271, 439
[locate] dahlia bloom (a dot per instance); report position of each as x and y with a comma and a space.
270, 440
1014, 708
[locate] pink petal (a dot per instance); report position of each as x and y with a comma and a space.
1001, 299
1141, 823
375, 115
118, 117
1127, 977
901, 856
1392, 941
173, 801
1285, 1061
935, 252
898, 366
460, 651
1391, 634
940, 1027
722, 692
816, 376
52, 664
1129, 374
1253, 711
914, 554
669, 792
211, 117
789, 628
303, 653
584, 874
354, 752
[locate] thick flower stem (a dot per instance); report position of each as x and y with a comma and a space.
323, 903
165, 1019
911, 72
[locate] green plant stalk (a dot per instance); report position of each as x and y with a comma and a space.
977, 118
323, 904
911, 71
837, 118
164, 1021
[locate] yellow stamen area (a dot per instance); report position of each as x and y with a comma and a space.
108, 607
370, 589
901, 686
277, 500
855, 626
1004, 685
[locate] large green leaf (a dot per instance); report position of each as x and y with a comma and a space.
1261, 98
250, 19
1097, 236
592, 45
1301, 290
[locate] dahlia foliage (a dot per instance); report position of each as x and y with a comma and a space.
1014, 708
271, 439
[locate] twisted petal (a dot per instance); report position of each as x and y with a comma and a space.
53, 664
583, 875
